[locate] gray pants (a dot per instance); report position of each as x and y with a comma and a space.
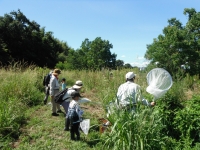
55, 106
65, 105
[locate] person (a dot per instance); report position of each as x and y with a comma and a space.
129, 93
47, 87
63, 83
75, 121
54, 89
67, 97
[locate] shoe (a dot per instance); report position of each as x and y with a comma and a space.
55, 114
59, 111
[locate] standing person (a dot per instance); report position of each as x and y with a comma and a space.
74, 115
47, 87
67, 97
76, 87
54, 88
63, 83
129, 93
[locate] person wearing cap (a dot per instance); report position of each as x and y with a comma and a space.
54, 89
75, 124
67, 97
129, 93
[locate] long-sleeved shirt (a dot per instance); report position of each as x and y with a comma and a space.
74, 104
129, 92
54, 85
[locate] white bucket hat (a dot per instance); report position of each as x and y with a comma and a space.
78, 84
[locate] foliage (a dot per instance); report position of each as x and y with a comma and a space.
92, 55
135, 130
24, 40
172, 124
178, 47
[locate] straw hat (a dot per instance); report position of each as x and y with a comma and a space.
56, 72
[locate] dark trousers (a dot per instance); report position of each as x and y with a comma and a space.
46, 94
67, 123
75, 130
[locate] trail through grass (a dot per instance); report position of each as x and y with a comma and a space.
44, 131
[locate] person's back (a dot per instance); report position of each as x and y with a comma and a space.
47, 87
128, 92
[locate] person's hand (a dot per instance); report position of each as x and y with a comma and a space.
153, 103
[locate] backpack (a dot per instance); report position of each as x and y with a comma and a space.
72, 115
58, 98
46, 79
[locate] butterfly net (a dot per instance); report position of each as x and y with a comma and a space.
159, 81
85, 125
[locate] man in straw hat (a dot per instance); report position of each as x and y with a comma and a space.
129, 93
54, 89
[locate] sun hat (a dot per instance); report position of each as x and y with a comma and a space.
78, 84
75, 94
56, 72
130, 75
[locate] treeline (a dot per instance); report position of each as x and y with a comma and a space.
24, 40
178, 48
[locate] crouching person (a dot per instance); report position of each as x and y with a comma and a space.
74, 116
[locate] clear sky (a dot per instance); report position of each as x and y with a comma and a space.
129, 25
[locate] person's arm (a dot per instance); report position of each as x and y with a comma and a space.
52, 85
79, 112
145, 102
139, 97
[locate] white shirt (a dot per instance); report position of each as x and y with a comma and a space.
128, 92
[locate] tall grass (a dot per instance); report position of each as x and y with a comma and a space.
18, 91
138, 130
162, 127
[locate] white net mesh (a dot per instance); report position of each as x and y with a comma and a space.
159, 81
85, 125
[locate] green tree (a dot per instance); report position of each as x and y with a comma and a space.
119, 64
178, 45
128, 66
24, 40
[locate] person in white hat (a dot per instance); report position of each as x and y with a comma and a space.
129, 93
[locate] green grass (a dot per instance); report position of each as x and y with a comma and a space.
27, 124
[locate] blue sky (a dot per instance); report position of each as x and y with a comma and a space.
127, 24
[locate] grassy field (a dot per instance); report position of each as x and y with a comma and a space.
27, 124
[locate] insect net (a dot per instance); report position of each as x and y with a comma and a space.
159, 81
85, 125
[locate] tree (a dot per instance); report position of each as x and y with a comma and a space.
179, 45
119, 64
128, 66
24, 40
